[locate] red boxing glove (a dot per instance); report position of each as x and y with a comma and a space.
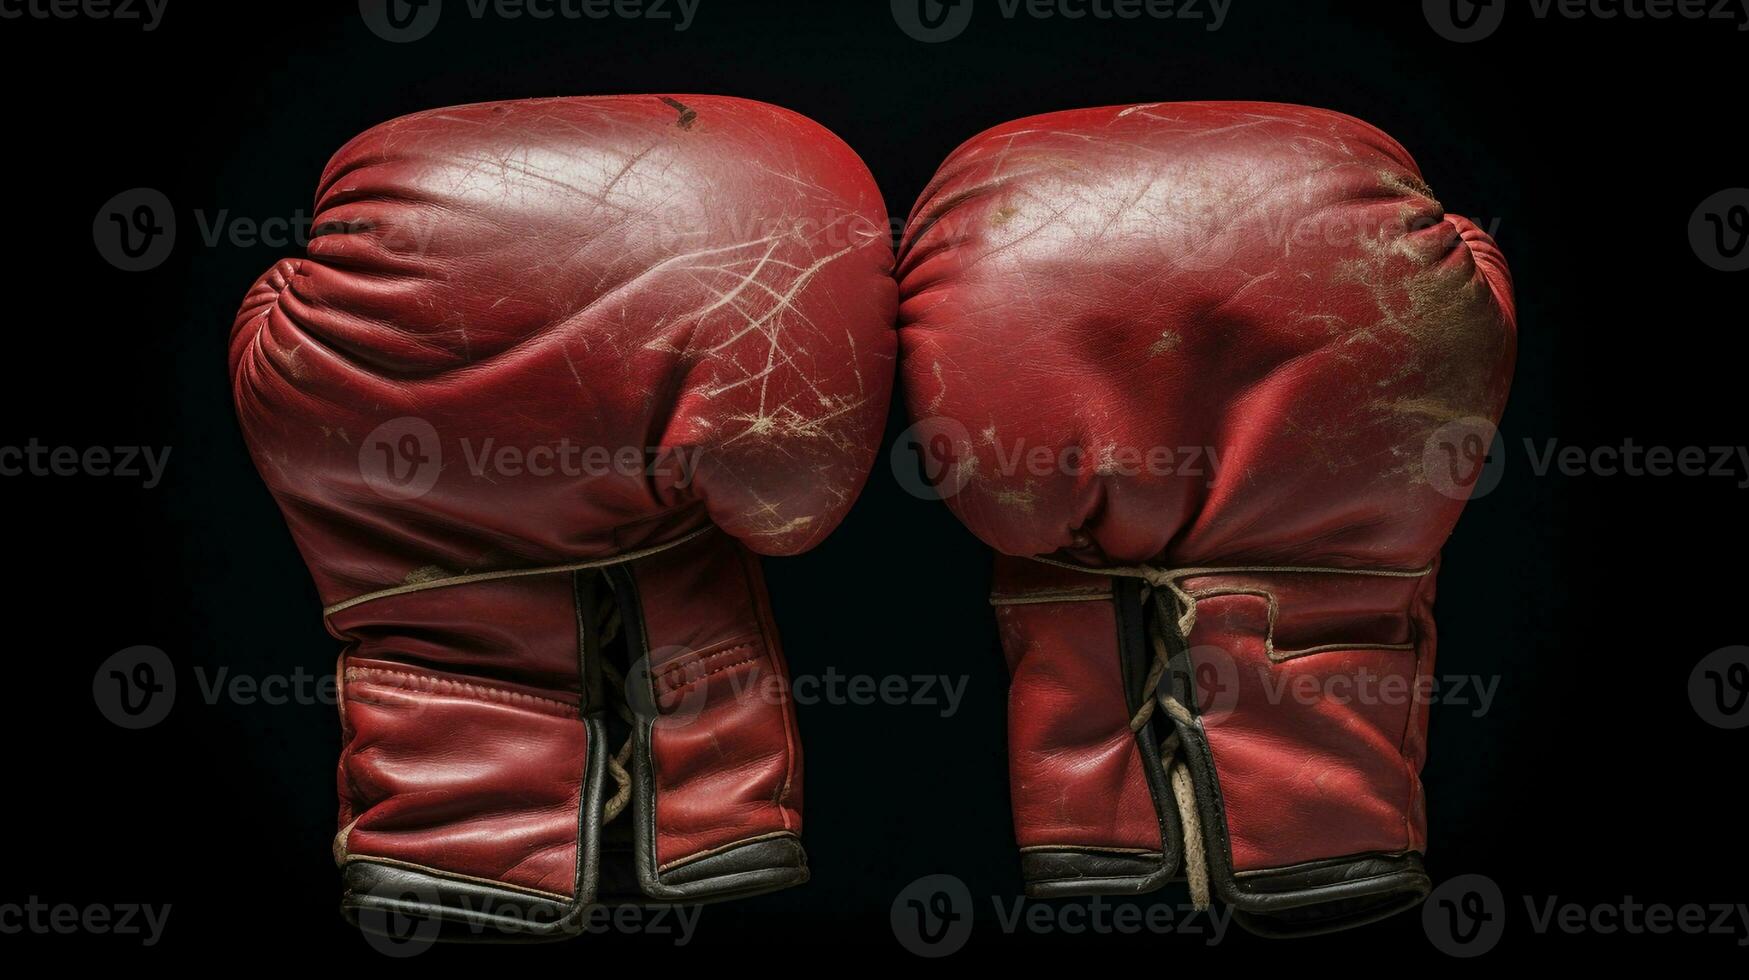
553, 372
1225, 369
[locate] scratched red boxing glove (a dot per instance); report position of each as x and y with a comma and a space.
1207, 376
553, 373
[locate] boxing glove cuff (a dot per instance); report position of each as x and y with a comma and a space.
642, 831
1179, 679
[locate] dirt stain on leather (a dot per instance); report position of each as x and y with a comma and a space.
687, 115
426, 573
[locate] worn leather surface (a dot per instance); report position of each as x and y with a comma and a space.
702, 282
1073, 763
1275, 287
726, 767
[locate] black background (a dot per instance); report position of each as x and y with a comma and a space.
1585, 143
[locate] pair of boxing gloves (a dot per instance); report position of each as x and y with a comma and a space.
556, 372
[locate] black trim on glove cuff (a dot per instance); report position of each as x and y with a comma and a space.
1329, 896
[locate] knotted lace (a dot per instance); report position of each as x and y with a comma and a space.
1174, 610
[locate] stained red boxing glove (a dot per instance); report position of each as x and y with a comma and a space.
1211, 378
552, 373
